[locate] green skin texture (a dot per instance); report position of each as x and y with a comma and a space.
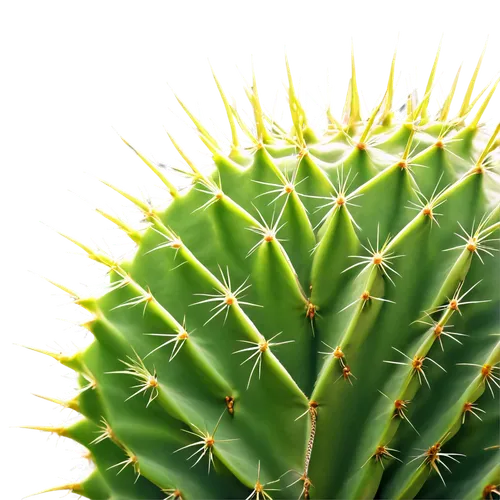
353, 418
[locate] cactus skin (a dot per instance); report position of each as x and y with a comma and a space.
362, 292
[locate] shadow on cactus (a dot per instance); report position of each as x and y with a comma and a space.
316, 318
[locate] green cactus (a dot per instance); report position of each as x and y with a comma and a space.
318, 317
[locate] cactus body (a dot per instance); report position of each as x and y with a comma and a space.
317, 317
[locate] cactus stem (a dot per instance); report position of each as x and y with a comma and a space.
226, 297
260, 348
488, 376
206, 443
433, 456
471, 408
382, 452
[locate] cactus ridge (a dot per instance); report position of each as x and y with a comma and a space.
316, 318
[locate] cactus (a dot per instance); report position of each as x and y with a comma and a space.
316, 318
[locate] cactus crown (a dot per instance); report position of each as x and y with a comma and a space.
316, 317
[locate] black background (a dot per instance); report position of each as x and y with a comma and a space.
115, 88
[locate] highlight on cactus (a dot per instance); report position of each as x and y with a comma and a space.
317, 317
